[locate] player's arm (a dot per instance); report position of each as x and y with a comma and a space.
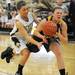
39, 29
23, 32
63, 37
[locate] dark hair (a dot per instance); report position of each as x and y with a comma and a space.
56, 8
20, 4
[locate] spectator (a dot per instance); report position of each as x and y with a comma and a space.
72, 14
59, 3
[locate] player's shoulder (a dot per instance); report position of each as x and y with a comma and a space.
62, 22
49, 17
42, 21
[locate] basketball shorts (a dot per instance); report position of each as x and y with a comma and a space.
50, 40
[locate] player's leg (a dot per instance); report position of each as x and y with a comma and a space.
11, 50
25, 55
55, 47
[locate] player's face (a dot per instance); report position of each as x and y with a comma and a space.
58, 13
24, 11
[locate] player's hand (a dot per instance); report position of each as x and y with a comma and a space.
39, 44
45, 40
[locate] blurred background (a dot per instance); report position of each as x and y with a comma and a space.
41, 63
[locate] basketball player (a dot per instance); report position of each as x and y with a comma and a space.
22, 30
54, 42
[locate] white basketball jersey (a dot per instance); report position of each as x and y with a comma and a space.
27, 24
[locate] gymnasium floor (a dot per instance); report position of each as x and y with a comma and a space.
41, 63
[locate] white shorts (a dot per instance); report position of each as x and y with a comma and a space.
21, 47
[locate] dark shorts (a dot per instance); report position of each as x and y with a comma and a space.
50, 40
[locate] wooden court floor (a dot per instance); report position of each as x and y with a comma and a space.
41, 63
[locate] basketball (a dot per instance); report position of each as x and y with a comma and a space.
49, 28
